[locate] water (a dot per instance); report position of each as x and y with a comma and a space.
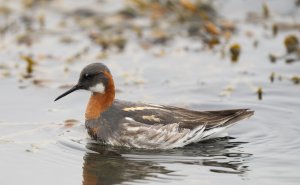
37, 147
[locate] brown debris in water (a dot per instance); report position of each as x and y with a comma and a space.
272, 58
235, 51
70, 123
291, 43
41, 21
290, 60
66, 40
41, 82
159, 36
296, 79
272, 77
283, 26
109, 41
275, 29
211, 28
119, 42
33, 3
4, 10
213, 42
259, 93
25, 39
266, 11
188, 5
30, 64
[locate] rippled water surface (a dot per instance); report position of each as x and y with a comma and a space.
42, 142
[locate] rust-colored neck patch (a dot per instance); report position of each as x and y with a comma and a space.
98, 103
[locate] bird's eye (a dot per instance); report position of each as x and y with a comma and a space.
87, 75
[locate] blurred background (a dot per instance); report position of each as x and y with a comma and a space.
198, 54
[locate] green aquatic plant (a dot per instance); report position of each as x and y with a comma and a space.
291, 43
259, 92
272, 58
272, 77
296, 79
30, 63
235, 51
275, 29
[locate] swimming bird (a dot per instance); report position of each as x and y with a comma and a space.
141, 125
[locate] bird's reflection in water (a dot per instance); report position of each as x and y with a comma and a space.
109, 165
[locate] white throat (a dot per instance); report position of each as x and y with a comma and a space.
99, 88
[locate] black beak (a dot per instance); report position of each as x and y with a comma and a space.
75, 88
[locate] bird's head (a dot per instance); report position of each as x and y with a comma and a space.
95, 77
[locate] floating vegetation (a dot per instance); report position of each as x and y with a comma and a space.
290, 60
4, 10
33, 3
211, 28
259, 92
296, 79
292, 54
266, 11
70, 123
159, 37
213, 42
30, 65
283, 26
235, 50
109, 41
272, 58
188, 5
120, 42
275, 30
41, 82
67, 40
41, 21
162, 22
291, 43
25, 39
272, 77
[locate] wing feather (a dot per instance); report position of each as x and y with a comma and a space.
135, 134
189, 119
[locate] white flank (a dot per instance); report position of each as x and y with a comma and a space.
99, 88
139, 135
138, 108
159, 136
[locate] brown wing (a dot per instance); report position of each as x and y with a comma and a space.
156, 114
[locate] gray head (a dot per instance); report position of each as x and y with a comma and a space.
94, 77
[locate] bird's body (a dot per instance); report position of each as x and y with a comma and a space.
153, 126
141, 125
